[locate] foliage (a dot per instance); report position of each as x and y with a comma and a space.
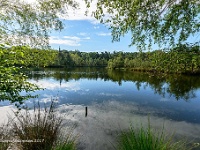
178, 60
82, 59
148, 139
12, 81
33, 57
4, 135
181, 59
25, 23
165, 22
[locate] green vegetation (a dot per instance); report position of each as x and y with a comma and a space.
162, 22
148, 139
38, 130
27, 24
12, 80
68, 144
180, 60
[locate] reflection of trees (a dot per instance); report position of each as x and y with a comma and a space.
183, 86
178, 86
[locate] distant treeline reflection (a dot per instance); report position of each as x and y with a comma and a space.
178, 86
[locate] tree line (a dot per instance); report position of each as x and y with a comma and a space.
182, 59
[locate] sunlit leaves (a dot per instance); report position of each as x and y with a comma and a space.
165, 22
12, 82
29, 24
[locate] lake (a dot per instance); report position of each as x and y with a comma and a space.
116, 99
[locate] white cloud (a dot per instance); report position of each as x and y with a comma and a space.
70, 13
72, 38
87, 38
96, 27
80, 14
83, 34
64, 41
72, 86
67, 40
104, 34
75, 14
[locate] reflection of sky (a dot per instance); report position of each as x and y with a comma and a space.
87, 92
111, 106
106, 120
52, 85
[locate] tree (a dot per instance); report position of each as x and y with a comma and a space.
167, 22
22, 23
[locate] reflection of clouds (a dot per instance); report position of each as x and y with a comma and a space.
110, 94
52, 85
164, 100
84, 91
106, 120
48, 100
6, 111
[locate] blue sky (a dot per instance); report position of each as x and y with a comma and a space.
85, 33
86, 36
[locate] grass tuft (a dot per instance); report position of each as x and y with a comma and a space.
148, 139
40, 129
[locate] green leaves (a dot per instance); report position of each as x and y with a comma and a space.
22, 23
159, 21
12, 81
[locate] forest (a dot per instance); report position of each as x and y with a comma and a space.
181, 59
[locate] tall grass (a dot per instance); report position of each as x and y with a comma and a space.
4, 136
148, 139
67, 144
40, 129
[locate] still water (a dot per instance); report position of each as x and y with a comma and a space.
116, 99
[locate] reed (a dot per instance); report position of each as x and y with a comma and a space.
40, 129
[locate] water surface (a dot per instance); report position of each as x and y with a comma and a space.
116, 99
